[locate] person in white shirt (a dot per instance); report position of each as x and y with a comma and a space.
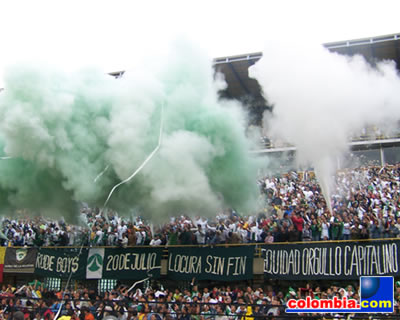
124, 241
256, 231
111, 239
243, 233
140, 236
99, 236
200, 235
325, 229
346, 229
121, 230
156, 241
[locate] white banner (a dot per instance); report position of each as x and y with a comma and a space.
94, 268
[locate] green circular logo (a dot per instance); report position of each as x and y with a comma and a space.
95, 262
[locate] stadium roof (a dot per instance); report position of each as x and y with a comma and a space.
241, 87
235, 68
235, 71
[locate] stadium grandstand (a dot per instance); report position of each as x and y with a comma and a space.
371, 146
231, 266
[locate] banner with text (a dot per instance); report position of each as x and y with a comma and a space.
131, 263
20, 259
61, 262
345, 260
218, 263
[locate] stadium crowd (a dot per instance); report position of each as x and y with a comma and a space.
36, 302
365, 205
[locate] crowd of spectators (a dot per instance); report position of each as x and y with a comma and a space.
217, 303
365, 204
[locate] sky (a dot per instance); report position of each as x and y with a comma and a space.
115, 35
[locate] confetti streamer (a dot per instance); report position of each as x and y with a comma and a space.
144, 162
100, 174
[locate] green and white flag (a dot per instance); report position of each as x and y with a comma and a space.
94, 268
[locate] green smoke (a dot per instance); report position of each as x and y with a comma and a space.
62, 130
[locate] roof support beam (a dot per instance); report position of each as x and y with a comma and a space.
398, 57
236, 74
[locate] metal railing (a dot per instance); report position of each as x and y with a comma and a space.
257, 245
269, 143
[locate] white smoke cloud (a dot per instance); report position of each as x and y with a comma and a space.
321, 98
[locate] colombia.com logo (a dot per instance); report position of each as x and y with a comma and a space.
376, 297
